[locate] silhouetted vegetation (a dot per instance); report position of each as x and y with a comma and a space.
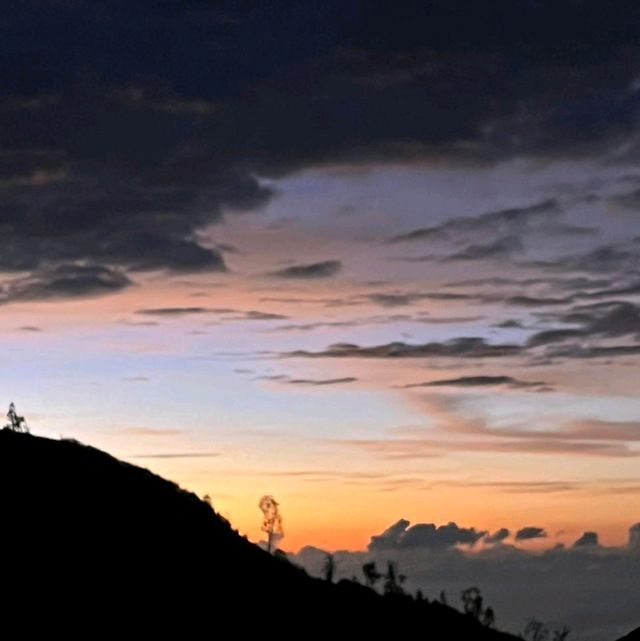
536, 630
329, 569
473, 605
371, 574
392, 580
106, 544
561, 633
16, 423
272, 521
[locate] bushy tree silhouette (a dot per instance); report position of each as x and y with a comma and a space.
371, 574
472, 602
272, 521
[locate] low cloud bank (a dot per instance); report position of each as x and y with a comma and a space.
587, 586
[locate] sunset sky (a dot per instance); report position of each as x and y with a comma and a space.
381, 263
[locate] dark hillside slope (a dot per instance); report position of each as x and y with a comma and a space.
86, 537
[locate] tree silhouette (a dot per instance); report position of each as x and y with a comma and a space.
472, 602
535, 630
488, 617
561, 633
392, 580
16, 423
371, 574
329, 568
272, 521
473, 605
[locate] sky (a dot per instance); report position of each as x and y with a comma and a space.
379, 261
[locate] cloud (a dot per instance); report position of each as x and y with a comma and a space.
322, 381
306, 382
530, 532
553, 336
172, 455
229, 313
324, 269
392, 319
307, 327
611, 319
149, 431
494, 235
602, 430
510, 323
254, 315
452, 428
424, 448
528, 301
501, 248
497, 537
607, 259
521, 487
484, 381
586, 540
501, 223
66, 281
395, 299
577, 351
452, 417
173, 311
402, 536
139, 156
511, 578
466, 347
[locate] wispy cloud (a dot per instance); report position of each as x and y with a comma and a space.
485, 381
323, 269
467, 347
172, 455
149, 431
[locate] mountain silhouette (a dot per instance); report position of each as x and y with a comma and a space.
94, 544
